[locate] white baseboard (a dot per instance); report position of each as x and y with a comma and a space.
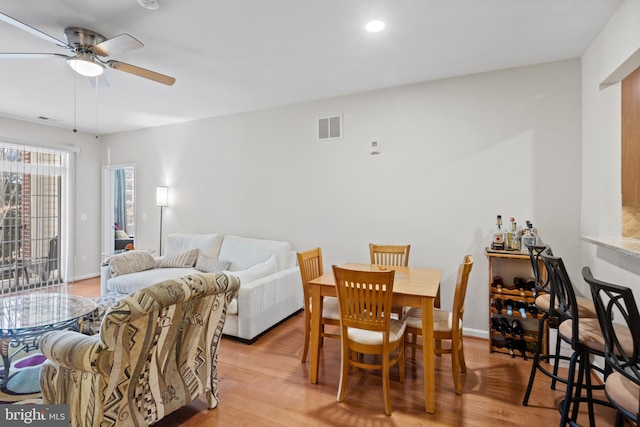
475, 333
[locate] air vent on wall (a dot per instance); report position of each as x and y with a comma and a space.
329, 128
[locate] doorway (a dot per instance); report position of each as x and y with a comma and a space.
120, 214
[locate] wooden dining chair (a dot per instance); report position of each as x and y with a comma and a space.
392, 255
447, 325
366, 326
310, 263
397, 255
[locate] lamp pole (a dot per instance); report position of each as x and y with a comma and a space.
162, 199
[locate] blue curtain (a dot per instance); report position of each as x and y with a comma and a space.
119, 203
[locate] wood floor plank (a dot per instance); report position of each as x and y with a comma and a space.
264, 384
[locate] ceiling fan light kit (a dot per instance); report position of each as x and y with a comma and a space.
84, 64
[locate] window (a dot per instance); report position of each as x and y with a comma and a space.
30, 216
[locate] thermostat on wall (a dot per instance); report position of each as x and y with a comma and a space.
375, 147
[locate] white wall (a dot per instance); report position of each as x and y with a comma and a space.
86, 242
455, 153
613, 55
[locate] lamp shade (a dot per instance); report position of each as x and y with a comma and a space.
162, 196
85, 65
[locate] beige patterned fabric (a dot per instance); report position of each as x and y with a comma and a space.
157, 350
130, 262
211, 265
182, 259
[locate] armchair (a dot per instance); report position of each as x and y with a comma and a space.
157, 350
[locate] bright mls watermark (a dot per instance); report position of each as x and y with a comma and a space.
34, 415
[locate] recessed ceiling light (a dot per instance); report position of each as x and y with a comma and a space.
374, 26
149, 4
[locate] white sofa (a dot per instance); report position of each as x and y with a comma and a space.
270, 285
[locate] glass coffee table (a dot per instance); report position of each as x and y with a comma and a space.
24, 317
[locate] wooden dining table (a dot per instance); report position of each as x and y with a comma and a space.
412, 287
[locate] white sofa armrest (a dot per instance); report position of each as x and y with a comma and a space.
264, 302
105, 274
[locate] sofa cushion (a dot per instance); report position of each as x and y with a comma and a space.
207, 244
211, 265
258, 271
182, 259
243, 252
130, 262
135, 281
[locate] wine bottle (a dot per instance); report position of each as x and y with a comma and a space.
497, 242
506, 325
498, 305
531, 308
521, 346
531, 286
498, 326
509, 304
520, 284
522, 308
510, 343
516, 328
498, 283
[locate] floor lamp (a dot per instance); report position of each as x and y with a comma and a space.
162, 197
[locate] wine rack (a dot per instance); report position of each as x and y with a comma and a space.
513, 330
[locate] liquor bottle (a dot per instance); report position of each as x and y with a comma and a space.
528, 238
514, 245
497, 240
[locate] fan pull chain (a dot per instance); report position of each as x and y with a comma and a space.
75, 102
96, 129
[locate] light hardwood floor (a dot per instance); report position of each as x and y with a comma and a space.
264, 384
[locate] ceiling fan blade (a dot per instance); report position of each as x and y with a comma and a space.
141, 72
116, 45
11, 55
29, 29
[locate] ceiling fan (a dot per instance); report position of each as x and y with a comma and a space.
86, 50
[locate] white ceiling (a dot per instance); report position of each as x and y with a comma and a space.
238, 55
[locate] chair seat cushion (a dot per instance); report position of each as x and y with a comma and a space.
331, 308
585, 305
590, 334
622, 391
442, 319
396, 332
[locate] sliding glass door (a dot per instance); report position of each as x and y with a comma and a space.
30, 216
